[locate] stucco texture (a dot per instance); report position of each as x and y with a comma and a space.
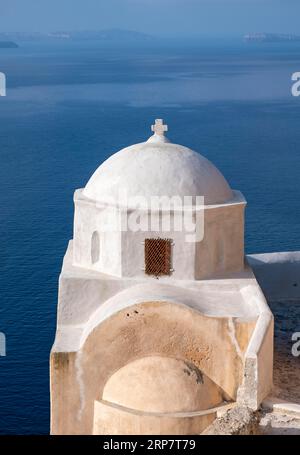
161, 328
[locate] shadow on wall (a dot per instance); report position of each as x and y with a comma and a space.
278, 274
95, 247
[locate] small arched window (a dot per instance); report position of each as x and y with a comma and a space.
95, 247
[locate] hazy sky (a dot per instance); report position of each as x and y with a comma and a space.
163, 17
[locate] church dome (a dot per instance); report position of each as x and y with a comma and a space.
162, 384
157, 168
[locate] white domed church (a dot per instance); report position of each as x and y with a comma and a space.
161, 322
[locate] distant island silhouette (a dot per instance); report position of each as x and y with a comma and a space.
110, 35
8, 45
270, 37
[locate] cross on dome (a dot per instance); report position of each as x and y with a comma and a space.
159, 127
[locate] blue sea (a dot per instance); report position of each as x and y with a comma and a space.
69, 106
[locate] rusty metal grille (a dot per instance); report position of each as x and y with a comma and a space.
158, 257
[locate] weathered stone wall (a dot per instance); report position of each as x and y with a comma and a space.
236, 421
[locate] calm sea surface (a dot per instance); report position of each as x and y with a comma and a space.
70, 106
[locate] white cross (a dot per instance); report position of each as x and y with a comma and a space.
159, 127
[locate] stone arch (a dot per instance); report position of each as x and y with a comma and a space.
95, 247
144, 329
163, 328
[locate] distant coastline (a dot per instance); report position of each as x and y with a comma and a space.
270, 37
8, 45
109, 35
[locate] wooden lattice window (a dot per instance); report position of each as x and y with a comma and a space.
158, 256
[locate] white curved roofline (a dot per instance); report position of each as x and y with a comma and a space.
158, 168
237, 198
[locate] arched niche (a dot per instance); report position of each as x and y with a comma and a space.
144, 329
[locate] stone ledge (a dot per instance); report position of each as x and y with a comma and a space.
239, 420
281, 406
